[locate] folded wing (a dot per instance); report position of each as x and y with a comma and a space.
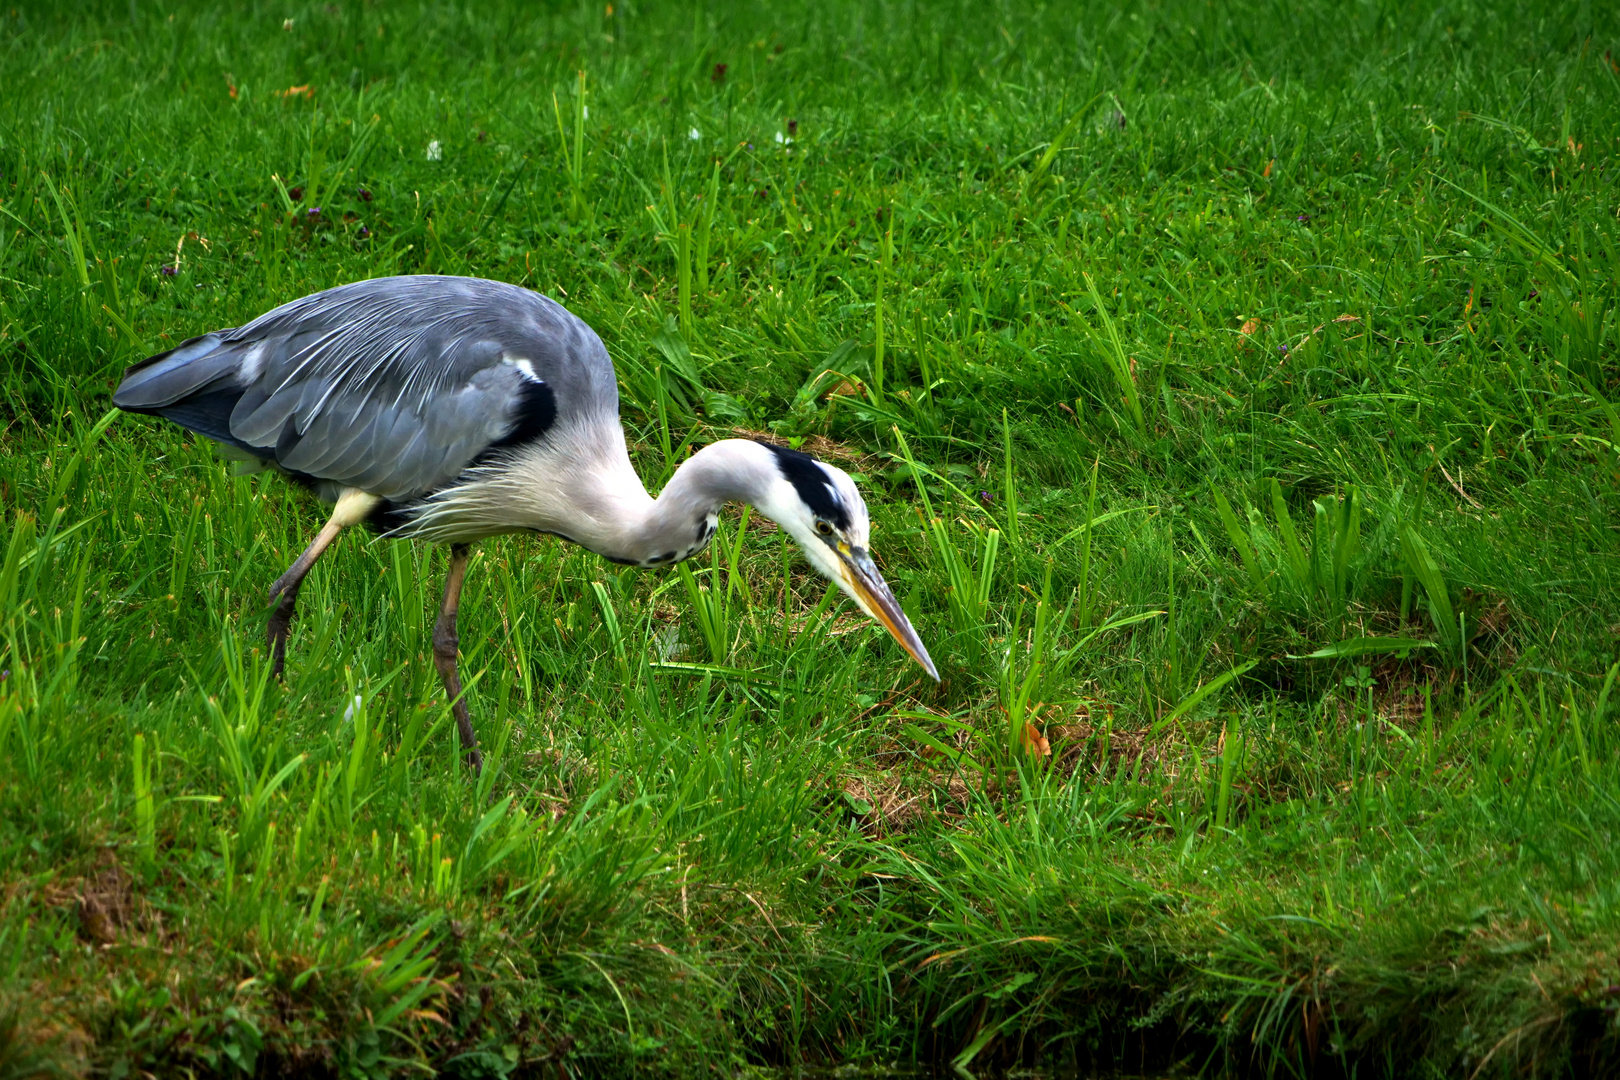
394, 386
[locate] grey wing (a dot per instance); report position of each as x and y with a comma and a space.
394, 386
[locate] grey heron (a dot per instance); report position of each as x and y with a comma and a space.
452, 409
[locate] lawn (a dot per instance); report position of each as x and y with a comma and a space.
1231, 388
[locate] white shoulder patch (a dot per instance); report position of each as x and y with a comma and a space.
523, 366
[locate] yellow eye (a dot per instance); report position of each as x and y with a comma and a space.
823, 528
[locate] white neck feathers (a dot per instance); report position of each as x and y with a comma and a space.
578, 484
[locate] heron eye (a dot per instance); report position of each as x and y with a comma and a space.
823, 528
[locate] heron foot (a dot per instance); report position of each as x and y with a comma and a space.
284, 594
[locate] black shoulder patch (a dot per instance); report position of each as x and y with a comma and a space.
810, 481
533, 414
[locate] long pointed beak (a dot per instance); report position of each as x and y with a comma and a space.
869, 589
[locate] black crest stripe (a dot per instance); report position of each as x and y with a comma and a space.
811, 482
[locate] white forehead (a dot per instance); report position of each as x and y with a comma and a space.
850, 497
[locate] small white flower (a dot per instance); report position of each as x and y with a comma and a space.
348, 714
694, 135
781, 139
434, 153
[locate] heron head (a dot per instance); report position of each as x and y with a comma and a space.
819, 506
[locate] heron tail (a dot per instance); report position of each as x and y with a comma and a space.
187, 369
196, 385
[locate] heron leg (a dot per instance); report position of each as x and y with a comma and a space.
284, 593
445, 645
352, 507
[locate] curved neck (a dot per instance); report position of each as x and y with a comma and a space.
681, 521
579, 484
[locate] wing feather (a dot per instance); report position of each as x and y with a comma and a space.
336, 450
412, 470
394, 385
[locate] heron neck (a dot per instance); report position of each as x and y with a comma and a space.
682, 520
579, 485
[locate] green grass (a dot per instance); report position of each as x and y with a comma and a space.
1171, 347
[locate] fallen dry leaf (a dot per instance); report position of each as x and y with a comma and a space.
1035, 743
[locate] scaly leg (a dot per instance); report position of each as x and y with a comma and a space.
445, 644
352, 507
